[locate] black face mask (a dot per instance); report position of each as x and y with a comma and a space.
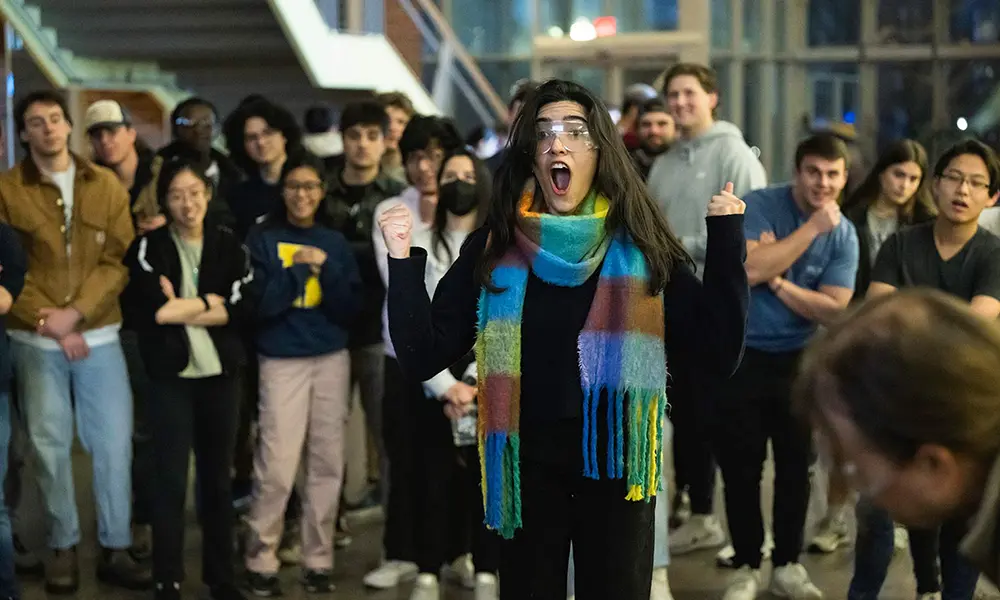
458, 197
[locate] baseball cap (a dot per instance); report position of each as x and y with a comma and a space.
105, 113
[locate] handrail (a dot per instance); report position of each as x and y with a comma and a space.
498, 106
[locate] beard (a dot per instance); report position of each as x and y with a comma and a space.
654, 149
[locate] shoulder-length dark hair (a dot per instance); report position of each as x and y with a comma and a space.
279, 215
920, 207
631, 207
169, 171
484, 188
276, 117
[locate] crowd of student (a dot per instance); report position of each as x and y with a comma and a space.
228, 304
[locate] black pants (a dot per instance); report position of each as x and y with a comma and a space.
755, 408
470, 514
400, 541
694, 465
142, 436
199, 414
612, 537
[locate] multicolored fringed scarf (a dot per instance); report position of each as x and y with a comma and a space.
621, 354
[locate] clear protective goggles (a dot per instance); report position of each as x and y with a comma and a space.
574, 136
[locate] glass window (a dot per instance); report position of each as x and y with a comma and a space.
492, 27
502, 74
780, 31
906, 21
904, 107
752, 25
834, 88
973, 87
592, 78
779, 165
834, 22
722, 74
645, 15
975, 21
559, 13
752, 84
722, 25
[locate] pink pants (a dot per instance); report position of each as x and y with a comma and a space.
303, 410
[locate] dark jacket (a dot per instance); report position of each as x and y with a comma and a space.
225, 269
15, 265
981, 545
355, 219
300, 314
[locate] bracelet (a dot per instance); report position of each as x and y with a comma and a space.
208, 307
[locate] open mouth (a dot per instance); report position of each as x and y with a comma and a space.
561, 176
959, 204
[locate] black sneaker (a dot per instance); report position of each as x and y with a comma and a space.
264, 586
167, 591
26, 564
317, 582
225, 592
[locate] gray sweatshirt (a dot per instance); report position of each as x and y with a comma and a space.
684, 179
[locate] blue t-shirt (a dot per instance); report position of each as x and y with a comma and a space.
832, 259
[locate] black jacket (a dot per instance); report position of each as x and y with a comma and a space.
225, 269
705, 321
15, 265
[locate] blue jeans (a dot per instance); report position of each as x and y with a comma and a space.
102, 400
875, 546
8, 583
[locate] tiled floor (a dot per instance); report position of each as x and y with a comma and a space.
692, 577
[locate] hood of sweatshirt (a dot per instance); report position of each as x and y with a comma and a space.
684, 179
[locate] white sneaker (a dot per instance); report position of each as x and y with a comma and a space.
460, 571
930, 596
831, 534
390, 574
700, 532
724, 558
792, 581
426, 588
682, 510
900, 539
744, 585
661, 585
487, 587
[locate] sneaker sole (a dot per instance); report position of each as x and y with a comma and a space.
114, 581
696, 546
61, 590
815, 548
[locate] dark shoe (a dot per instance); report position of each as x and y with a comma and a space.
62, 574
26, 564
120, 569
264, 586
167, 591
142, 542
225, 592
317, 582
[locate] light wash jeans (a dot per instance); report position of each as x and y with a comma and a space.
8, 582
97, 387
661, 545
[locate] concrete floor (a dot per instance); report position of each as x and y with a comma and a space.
692, 577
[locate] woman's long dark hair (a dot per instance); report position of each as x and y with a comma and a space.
631, 207
279, 215
920, 207
483, 191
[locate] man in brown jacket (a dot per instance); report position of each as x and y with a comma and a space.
74, 222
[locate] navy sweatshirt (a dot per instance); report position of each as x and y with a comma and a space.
300, 314
13, 267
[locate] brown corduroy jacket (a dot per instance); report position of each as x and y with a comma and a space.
90, 276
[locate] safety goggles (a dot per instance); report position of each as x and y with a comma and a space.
574, 136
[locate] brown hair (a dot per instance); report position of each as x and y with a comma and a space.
396, 100
910, 368
706, 76
824, 145
920, 207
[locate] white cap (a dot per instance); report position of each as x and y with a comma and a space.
105, 113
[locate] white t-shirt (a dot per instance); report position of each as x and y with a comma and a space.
64, 181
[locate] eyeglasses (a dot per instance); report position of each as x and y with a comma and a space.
179, 196
186, 122
573, 135
868, 484
267, 133
957, 178
308, 186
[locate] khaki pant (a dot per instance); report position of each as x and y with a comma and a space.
303, 411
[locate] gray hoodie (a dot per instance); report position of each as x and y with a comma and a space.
684, 179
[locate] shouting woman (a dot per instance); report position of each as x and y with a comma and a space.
575, 296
